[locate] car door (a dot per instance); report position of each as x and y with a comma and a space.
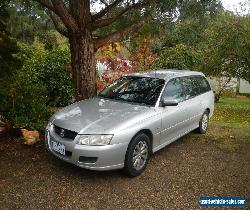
193, 101
173, 118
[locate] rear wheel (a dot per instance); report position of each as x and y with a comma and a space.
203, 124
137, 155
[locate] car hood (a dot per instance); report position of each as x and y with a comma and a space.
96, 116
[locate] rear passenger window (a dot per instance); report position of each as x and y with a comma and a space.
204, 85
195, 85
174, 90
191, 87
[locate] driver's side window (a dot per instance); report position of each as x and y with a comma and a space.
173, 91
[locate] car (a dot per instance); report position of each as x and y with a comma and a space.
131, 119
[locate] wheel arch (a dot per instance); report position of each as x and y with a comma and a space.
149, 133
208, 110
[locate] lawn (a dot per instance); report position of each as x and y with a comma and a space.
232, 112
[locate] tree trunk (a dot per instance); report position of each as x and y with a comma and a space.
83, 64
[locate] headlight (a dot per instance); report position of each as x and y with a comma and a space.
48, 127
94, 139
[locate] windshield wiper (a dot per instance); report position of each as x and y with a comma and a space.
131, 101
104, 96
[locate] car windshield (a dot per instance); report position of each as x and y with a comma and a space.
141, 90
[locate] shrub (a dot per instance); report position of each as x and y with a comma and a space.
21, 54
48, 69
29, 106
40, 84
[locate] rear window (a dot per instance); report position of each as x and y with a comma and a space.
203, 84
195, 85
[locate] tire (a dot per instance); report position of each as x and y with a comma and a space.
203, 123
137, 155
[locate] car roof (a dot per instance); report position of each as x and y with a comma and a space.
167, 74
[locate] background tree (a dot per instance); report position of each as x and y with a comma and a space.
226, 45
226, 49
9, 63
27, 20
8, 45
74, 20
179, 56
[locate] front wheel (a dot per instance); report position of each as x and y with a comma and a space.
137, 155
203, 124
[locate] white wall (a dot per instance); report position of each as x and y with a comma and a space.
244, 86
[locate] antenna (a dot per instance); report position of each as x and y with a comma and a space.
155, 76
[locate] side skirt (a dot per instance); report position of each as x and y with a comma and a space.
174, 139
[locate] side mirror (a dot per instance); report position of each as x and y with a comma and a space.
166, 102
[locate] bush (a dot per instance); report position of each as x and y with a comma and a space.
21, 54
48, 69
29, 106
40, 84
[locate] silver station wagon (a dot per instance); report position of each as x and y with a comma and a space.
130, 119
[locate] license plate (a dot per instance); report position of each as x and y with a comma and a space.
58, 147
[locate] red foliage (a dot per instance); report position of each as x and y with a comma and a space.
117, 66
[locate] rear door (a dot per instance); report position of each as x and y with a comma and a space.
193, 101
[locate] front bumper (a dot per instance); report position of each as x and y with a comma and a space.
109, 157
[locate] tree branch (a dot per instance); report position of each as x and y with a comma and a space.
106, 10
57, 25
104, 2
67, 19
105, 22
47, 4
118, 35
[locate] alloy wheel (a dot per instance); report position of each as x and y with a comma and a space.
140, 155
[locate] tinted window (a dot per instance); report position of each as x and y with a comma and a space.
142, 90
191, 87
203, 84
174, 90
195, 85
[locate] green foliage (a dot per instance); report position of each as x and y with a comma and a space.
198, 9
52, 39
8, 45
178, 57
41, 83
29, 104
27, 20
226, 47
7, 78
48, 69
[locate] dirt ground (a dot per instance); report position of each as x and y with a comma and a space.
215, 164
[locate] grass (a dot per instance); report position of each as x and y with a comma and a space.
232, 112
230, 124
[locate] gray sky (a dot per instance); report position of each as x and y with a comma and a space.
237, 6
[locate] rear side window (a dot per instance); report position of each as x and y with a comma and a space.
203, 84
191, 87
195, 85
174, 90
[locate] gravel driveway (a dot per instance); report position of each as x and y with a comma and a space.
194, 166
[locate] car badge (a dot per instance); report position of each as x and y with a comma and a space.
62, 133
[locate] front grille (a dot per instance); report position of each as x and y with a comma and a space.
66, 134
